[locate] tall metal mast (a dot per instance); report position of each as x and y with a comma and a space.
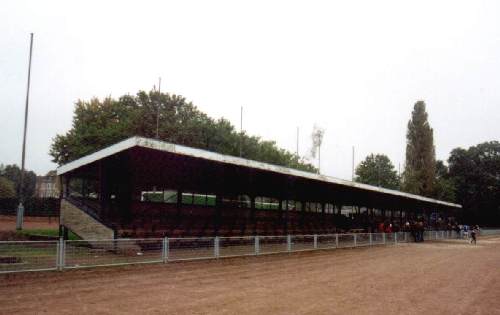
20, 208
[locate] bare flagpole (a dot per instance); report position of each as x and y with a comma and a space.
20, 208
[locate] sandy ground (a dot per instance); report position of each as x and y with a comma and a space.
448, 277
8, 223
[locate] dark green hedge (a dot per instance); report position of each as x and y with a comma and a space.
40, 207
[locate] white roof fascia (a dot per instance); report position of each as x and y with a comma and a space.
217, 157
101, 154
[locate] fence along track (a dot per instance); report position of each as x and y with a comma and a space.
22, 256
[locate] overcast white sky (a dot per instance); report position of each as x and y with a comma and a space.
354, 67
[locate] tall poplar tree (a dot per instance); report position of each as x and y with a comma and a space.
420, 169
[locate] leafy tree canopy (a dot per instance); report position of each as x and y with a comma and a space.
13, 174
100, 123
420, 166
377, 170
444, 186
476, 175
6, 188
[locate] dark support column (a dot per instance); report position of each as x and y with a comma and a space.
65, 233
104, 195
281, 215
302, 214
179, 198
62, 192
252, 215
285, 224
66, 186
82, 180
218, 205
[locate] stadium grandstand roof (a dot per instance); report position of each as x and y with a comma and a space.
171, 148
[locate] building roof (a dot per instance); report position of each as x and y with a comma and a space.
221, 158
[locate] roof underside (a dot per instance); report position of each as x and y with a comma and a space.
154, 162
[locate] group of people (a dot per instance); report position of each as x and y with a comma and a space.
416, 228
468, 232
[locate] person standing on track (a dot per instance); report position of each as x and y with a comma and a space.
473, 234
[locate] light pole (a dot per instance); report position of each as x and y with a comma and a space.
158, 109
20, 208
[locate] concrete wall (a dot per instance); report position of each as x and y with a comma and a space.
82, 224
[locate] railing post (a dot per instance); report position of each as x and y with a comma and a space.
257, 245
165, 250
60, 254
337, 240
371, 241
406, 237
289, 243
355, 239
383, 238
395, 238
216, 247
315, 241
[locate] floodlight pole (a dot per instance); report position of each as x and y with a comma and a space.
297, 141
352, 174
241, 130
319, 158
20, 208
158, 108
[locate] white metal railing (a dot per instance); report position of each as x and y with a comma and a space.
18, 256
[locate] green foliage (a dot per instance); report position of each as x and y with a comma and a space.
97, 124
444, 186
377, 170
13, 174
476, 175
420, 167
6, 188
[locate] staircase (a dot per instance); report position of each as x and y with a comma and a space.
83, 221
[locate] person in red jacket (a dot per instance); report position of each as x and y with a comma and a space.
381, 227
388, 228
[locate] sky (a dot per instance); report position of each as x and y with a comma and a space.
355, 68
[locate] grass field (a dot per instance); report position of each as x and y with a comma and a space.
446, 277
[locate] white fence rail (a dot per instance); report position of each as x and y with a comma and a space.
19, 256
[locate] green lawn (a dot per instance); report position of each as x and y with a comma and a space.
46, 232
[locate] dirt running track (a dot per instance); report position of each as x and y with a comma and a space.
450, 277
8, 223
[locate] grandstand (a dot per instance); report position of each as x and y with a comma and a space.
143, 187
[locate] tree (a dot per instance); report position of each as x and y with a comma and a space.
476, 175
13, 174
420, 167
6, 188
100, 123
444, 186
377, 170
